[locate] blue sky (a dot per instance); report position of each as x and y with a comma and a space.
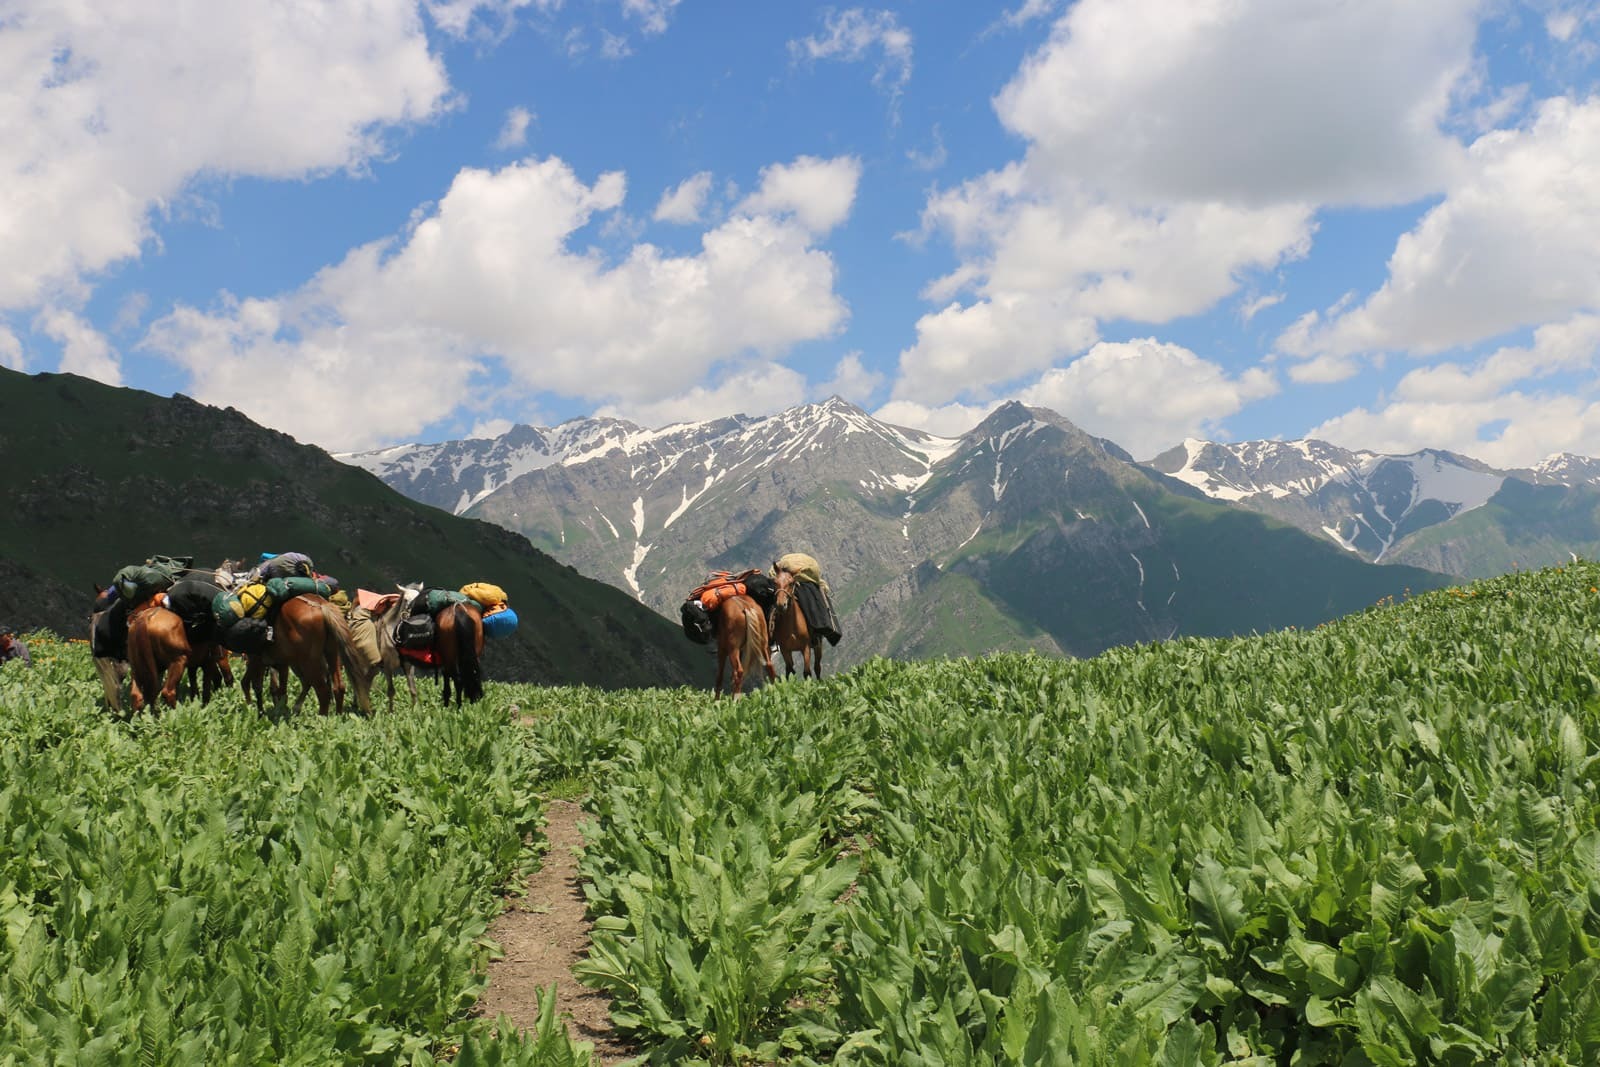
382, 221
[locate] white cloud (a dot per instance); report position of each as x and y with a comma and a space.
653, 15
1146, 395
963, 350
817, 192
852, 34
488, 429
851, 379
110, 111
497, 271
684, 202
1173, 152
1249, 101
1257, 304
760, 389
84, 349
11, 350
1512, 244
1510, 408
514, 133
941, 420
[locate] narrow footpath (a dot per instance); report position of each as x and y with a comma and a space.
544, 935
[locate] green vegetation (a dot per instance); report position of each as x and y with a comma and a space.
1374, 842
208, 887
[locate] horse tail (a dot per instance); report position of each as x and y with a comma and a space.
339, 639
753, 648
468, 677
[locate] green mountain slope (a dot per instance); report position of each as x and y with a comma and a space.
1522, 526
96, 477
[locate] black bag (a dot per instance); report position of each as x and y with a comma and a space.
763, 590
414, 631
246, 635
697, 625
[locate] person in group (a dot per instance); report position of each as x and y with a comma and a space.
12, 647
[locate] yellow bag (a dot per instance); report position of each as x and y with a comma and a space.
486, 594
255, 601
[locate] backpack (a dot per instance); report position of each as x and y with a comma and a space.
697, 625
414, 631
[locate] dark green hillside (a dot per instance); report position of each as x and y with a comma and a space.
95, 477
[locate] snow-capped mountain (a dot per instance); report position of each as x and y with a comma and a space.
1367, 502
1024, 532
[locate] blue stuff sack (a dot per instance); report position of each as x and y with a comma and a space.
500, 624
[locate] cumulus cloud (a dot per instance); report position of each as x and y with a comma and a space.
852, 380
941, 420
1511, 408
759, 389
498, 271
1250, 102
816, 192
11, 350
84, 349
961, 350
514, 132
1512, 244
854, 34
112, 110
1146, 395
1172, 153
684, 202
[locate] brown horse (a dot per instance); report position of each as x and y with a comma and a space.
309, 637
792, 633
158, 653
458, 646
741, 638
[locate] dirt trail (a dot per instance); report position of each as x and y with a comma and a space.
544, 935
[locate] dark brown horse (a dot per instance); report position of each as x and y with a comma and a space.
309, 637
792, 633
741, 639
158, 653
458, 646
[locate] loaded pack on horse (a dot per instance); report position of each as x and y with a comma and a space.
131, 587
440, 629
288, 624
732, 608
802, 615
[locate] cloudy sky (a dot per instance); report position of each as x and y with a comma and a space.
375, 221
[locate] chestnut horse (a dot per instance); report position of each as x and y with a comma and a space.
792, 633
458, 645
310, 637
742, 638
158, 653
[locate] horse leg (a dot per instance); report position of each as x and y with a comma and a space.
816, 654
169, 690
722, 662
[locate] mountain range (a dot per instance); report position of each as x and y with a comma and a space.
96, 477
1025, 532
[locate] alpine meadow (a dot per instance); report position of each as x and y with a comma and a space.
1377, 841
